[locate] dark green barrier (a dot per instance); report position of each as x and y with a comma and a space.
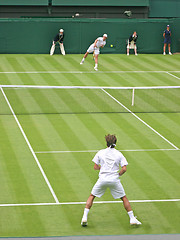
36, 35
24, 2
164, 8
100, 3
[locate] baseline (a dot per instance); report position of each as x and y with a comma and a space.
79, 203
140, 119
77, 72
84, 87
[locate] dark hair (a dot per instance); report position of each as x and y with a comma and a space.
111, 140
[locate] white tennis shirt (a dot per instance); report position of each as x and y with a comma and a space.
100, 42
110, 160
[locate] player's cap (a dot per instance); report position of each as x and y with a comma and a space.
105, 35
167, 25
61, 30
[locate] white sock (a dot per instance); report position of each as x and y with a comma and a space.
83, 59
86, 211
131, 214
96, 65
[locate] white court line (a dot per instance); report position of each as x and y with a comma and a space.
31, 149
77, 72
140, 119
84, 87
126, 150
173, 75
79, 203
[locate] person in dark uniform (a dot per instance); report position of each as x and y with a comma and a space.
132, 43
167, 40
58, 39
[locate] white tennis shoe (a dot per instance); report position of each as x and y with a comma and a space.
84, 222
170, 53
95, 68
164, 53
134, 221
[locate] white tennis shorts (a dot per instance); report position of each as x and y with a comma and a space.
115, 187
93, 49
131, 45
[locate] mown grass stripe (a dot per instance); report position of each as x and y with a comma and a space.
170, 80
157, 79
162, 121
56, 64
12, 167
153, 65
159, 60
143, 122
112, 64
35, 64
170, 61
173, 75
138, 63
166, 173
162, 100
151, 185
31, 149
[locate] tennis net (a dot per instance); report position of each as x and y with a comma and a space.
31, 100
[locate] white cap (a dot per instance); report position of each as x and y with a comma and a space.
105, 35
61, 30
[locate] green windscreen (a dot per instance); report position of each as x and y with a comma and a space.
24, 2
141, 3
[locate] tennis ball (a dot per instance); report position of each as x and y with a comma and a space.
111, 45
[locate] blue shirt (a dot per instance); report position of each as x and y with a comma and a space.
167, 34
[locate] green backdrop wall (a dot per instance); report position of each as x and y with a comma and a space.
164, 8
100, 3
36, 35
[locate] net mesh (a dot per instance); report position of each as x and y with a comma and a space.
29, 100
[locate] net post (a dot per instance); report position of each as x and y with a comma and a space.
133, 96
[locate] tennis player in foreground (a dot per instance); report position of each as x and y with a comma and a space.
108, 162
95, 48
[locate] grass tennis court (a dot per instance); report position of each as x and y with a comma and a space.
49, 137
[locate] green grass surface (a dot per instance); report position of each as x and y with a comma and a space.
78, 120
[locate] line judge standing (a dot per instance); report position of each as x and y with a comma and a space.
58, 39
132, 43
167, 40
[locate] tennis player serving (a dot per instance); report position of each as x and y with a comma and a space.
100, 42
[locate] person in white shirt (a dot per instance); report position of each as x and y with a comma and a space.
108, 162
95, 48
